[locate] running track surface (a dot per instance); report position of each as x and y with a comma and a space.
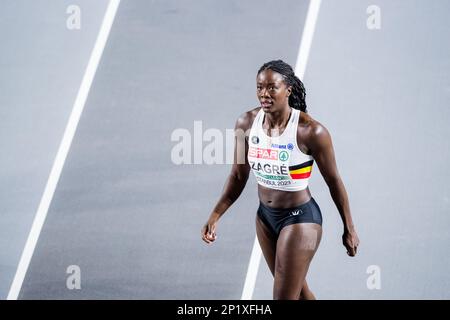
130, 218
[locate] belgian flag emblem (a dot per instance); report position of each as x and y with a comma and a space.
301, 171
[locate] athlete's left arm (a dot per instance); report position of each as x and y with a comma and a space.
321, 148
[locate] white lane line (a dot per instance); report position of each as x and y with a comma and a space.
307, 37
63, 150
300, 67
252, 271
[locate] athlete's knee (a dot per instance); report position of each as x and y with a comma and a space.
306, 293
282, 269
286, 297
283, 294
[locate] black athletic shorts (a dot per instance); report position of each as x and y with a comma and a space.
276, 219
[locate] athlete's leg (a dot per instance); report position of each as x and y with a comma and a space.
267, 242
296, 246
306, 293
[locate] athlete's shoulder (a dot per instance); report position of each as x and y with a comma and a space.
312, 126
245, 120
314, 132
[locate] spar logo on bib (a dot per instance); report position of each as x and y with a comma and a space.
284, 155
260, 153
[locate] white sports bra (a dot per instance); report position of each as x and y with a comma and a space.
277, 162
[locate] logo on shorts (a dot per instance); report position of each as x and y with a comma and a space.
295, 213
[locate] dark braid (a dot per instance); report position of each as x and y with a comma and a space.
298, 94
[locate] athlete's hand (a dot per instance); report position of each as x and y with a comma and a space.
351, 242
209, 231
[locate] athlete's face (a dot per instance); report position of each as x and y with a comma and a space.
272, 91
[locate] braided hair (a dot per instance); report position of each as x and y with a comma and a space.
297, 96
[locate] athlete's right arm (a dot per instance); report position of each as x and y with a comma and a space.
237, 178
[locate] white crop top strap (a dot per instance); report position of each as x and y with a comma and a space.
277, 162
